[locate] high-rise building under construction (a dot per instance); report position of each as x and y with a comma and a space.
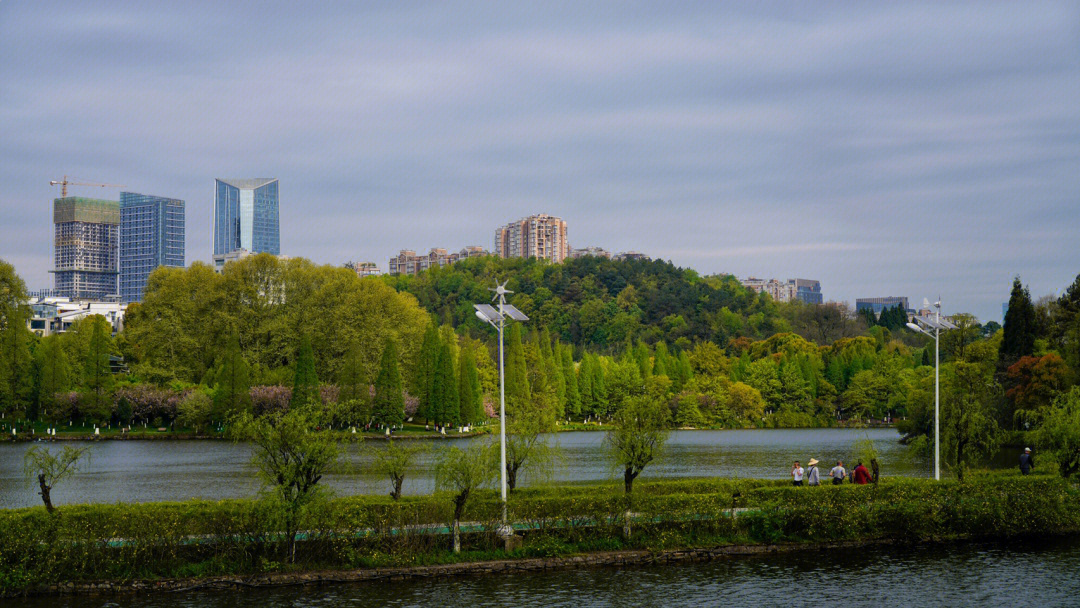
87, 245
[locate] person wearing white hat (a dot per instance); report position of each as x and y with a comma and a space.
1027, 463
813, 478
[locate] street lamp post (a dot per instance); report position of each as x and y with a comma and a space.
937, 324
496, 317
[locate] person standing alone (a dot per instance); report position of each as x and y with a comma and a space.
1026, 462
797, 473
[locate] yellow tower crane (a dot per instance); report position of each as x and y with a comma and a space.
64, 183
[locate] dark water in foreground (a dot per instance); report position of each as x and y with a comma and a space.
145, 471
1039, 573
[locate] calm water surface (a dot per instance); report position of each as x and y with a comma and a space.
145, 471
1040, 573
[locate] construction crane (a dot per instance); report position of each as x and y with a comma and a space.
64, 183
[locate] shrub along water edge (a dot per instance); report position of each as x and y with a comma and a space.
200, 538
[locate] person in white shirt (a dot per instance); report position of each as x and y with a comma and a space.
797, 473
838, 473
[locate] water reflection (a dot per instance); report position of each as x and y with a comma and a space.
1037, 572
143, 471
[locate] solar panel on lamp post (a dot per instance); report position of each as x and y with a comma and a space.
937, 324
497, 319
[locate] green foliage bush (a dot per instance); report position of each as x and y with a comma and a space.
200, 538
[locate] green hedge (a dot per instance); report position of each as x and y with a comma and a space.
196, 538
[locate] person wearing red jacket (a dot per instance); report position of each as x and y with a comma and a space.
860, 474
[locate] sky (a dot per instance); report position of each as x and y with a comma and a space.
921, 150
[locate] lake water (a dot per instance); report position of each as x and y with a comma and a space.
146, 471
1034, 572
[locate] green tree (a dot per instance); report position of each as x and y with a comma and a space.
637, 437
53, 374
291, 457
194, 410
526, 449
305, 380
518, 392
232, 381
462, 473
97, 371
569, 372
352, 378
1020, 329
445, 408
389, 406
969, 430
635, 441
395, 461
426, 366
471, 397
50, 469
1059, 435
16, 383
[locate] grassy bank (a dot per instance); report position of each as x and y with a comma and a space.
201, 538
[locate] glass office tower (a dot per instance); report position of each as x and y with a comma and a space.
246, 216
151, 235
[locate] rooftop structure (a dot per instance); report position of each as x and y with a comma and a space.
407, 262
51, 315
364, 269
86, 247
807, 290
599, 252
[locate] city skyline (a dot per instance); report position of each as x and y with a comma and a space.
903, 149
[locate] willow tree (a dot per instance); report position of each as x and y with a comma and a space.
462, 472
635, 441
291, 457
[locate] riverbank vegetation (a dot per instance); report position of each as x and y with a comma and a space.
201, 538
268, 335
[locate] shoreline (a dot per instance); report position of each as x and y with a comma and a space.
595, 559
170, 436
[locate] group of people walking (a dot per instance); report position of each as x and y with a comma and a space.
812, 476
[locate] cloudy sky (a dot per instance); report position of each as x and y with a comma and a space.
883, 148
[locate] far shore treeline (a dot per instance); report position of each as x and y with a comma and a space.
267, 334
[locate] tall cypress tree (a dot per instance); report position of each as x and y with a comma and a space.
97, 374
351, 377
585, 387
424, 380
445, 407
469, 393
1019, 328
661, 360
570, 376
305, 380
53, 374
389, 406
232, 381
518, 393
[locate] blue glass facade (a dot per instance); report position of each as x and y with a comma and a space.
151, 235
246, 216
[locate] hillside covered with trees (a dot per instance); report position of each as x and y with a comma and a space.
267, 335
